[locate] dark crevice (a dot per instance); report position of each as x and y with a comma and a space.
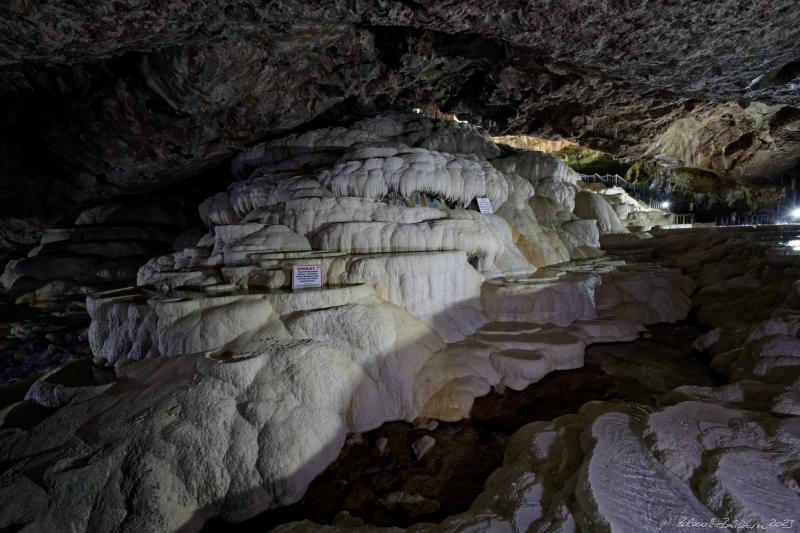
785, 115
742, 143
779, 76
392, 43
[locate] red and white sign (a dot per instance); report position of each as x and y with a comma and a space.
484, 206
306, 277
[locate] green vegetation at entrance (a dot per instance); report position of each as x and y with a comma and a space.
588, 161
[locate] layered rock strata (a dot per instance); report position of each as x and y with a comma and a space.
102, 250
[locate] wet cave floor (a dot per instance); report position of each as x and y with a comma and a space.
397, 489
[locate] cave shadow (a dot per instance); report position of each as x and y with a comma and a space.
485, 420
401, 434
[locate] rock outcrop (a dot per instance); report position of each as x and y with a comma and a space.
748, 142
102, 250
627, 468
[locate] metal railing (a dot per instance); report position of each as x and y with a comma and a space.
612, 180
655, 199
748, 219
686, 212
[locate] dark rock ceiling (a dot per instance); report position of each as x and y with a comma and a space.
99, 99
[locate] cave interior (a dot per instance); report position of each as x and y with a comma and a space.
377, 265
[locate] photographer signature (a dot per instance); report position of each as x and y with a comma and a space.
727, 523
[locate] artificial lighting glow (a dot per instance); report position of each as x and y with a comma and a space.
795, 212
664, 205
794, 245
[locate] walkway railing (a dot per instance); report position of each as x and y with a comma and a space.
612, 180
750, 219
686, 211
656, 200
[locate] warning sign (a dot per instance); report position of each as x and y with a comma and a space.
484, 206
306, 277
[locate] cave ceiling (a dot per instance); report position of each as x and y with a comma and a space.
101, 99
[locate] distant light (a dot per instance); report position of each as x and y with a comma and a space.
795, 245
665, 205
795, 212
417, 110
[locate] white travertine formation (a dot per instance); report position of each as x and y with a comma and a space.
233, 392
457, 179
767, 350
307, 215
103, 249
487, 237
560, 301
204, 436
386, 342
439, 288
708, 457
592, 205
409, 129
632, 212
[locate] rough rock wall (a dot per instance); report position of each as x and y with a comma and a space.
104, 248
749, 142
111, 98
